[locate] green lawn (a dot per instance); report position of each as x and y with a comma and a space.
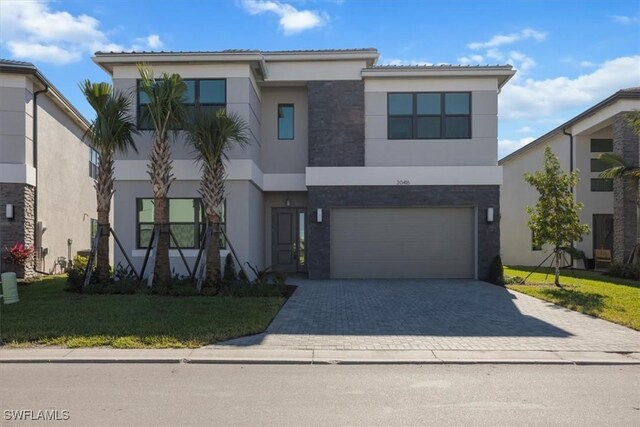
47, 315
613, 299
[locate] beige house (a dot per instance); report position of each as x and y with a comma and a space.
578, 143
47, 198
354, 170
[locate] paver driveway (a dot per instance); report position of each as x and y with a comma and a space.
431, 315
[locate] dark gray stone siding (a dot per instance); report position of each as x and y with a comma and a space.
21, 228
480, 196
625, 191
336, 123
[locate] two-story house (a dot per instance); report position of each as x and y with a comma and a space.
578, 143
47, 198
354, 170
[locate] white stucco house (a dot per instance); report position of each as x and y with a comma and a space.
47, 198
354, 170
578, 143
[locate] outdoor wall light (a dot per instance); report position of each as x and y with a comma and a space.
319, 215
489, 215
287, 202
9, 211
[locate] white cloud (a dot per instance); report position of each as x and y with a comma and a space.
621, 19
508, 145
292, 20
31, 30
399, 62
471, 59
500, 39
587, 64
154, 42
525, 129
535, 99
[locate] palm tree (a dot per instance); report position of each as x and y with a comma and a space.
166, 113
618, 169
110, 132
211, 135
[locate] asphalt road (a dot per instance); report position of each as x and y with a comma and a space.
327, 395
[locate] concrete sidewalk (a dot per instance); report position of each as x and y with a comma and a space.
294, 356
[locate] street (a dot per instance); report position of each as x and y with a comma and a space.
228, 394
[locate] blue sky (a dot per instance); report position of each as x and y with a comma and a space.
569, 54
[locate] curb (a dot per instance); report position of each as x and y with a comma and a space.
315, 357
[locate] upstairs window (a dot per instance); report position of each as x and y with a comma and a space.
285, 121
429, 115
210, 95
600, 145
94, 160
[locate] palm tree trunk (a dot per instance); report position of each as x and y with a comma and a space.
104, 192
212, 192
213, 252
160, 166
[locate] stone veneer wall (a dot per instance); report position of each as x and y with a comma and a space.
21, 228
336, 123
325, 197
625, 191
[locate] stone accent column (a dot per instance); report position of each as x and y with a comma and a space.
336, 123
21, 228
625, 191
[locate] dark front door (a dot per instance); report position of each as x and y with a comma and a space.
603, 231
288, 254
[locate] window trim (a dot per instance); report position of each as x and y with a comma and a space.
198, 225
196, 101
442, 116
93, 167
293, 121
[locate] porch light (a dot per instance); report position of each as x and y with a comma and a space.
489, 215
9, 211
319, 215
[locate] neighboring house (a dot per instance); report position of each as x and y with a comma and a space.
45, 170
354, 170
578, 144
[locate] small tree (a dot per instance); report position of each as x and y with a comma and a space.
555, 219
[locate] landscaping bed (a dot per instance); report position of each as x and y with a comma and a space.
589, 292
48, 315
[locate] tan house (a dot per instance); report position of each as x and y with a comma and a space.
578, 144
47, 198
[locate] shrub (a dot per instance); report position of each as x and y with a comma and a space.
75, 274
19, 254
624, 271
514, 280
496, 272
121, 287
176, 288
229, 275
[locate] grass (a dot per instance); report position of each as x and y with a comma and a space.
589, 292
47, 315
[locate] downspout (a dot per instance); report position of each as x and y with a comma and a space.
35, 165
570, 135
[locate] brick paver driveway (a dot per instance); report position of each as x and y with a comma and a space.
431, 315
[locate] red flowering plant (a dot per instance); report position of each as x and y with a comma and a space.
19, 254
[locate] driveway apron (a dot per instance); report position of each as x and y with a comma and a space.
431, 315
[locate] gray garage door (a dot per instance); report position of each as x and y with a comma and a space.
402, 243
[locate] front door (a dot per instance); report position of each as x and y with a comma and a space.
288, 228
603, 231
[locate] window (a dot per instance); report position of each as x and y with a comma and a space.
209, 94
94, 160
598, 165
601, 184
93, 229
285, 121
601, 145
429, 115
534, 247
186, 220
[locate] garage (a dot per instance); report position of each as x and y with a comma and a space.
412, 242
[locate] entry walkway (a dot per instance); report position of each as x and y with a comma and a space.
430, 315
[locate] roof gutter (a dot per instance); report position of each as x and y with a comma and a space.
36, 239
